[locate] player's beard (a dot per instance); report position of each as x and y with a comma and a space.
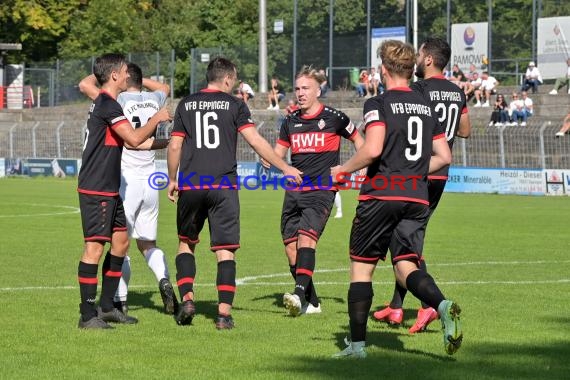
420, 71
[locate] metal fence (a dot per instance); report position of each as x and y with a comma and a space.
530, 147
56, 83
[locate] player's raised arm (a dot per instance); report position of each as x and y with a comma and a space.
154, 85
279, 150
135, 137
88, 86
262, 147
441, 155
464, 130
370, 149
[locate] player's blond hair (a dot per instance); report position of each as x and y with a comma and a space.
310, 72
398, 58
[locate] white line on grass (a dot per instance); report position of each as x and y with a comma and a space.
539, 282
251, 280
72, 210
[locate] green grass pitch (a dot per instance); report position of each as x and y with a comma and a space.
504, 259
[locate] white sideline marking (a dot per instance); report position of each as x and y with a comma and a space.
540, 282
250, 280
72, 210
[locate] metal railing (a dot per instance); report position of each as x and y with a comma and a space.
530, 147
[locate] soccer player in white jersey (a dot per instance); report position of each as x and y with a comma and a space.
137, 164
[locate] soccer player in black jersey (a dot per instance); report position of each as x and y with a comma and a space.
313, 134
102, 213
450, 105
203, 170
404, 142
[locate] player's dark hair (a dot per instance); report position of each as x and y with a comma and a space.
310, 72
135, 75
398, 58
439, 50
106, 64
218, 68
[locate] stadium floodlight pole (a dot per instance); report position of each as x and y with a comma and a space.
331, 26
294, 41
415, 26
490, 35
368, 37
408, 13
262, 46
449, 22
415, 23
533, 52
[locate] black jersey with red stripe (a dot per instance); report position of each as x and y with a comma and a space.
209, 121
449, 102
400, 173
100, 172
314, 141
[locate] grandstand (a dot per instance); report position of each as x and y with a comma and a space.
57, 132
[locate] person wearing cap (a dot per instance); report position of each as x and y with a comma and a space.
245, 91
532, 78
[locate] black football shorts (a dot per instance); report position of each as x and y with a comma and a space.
220, 207
382, 225
305, 212
101, 216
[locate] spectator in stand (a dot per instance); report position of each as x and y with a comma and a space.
380, 84
516, 110
373, 81
528, 105
565, 127
245, 91
362, 87
488, 87
276, 94
457, 75
562, 81
532, 78
447, 73
475, 83
500, 114
462, 82
324, 85
292, 106
472, 71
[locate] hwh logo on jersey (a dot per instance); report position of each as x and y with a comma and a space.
306, 141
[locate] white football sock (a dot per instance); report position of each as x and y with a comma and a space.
338, 203
157, 263
123, 289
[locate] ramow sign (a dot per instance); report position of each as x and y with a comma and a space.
469, 44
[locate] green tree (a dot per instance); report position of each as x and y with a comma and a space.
37, 25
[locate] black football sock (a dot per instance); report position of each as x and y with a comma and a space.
398, 296
112, 269
87, 277
305, 268
423, 267
359, 302
226, 281
293, 270
185, 273
422, 285
310, 293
